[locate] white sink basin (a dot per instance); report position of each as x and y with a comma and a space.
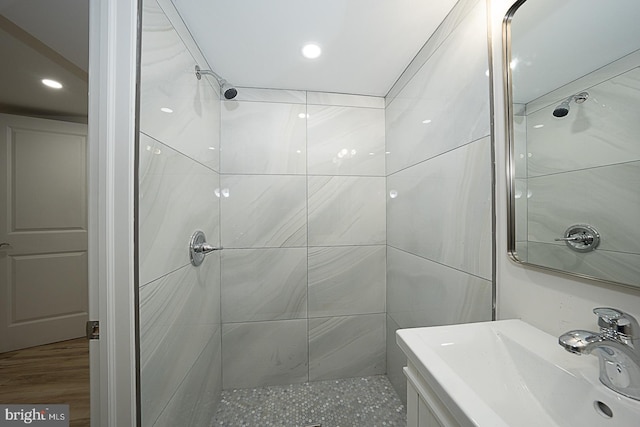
508, 373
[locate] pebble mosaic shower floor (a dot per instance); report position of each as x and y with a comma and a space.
353, 402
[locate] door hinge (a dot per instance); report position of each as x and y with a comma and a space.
93, 330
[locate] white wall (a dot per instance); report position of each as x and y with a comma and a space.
552, 302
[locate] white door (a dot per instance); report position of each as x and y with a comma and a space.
43, 231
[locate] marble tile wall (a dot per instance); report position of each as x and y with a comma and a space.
591, 154
179, 192
439, 203
522, 194
264, 284
346, 346
301, 291
260, 211
346, 280
456, 80
303, 226
599, 132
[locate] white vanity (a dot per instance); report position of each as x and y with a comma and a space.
504, 374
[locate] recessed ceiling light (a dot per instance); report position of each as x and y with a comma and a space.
311, 51
166, 110
52, 83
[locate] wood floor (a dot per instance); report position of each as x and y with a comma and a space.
50, 374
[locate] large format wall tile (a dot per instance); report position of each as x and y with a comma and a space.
442, 33
609, 265
177, 197
424, 293
195, 402
439, 265
346, 211
188, 296
396, 360
601, 131
521, 251
267, 198
346, 141
264, 284
344, 100
521, 197
263, 138
350, 346
346, 280
179, 305
446, 104
441, 209
270, 95
263, 211
168, 80
258, 354
520, 155
179, 315
605, 197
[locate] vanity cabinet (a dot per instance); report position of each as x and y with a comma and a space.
424, 408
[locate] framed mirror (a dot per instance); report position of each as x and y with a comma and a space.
573, 105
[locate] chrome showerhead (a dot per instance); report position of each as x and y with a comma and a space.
227, 89
563, 109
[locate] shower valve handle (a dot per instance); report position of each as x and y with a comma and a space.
587, 238
205, 248
198, 248
580, 237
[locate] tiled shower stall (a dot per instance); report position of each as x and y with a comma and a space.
342, 218
303, 231
563, 163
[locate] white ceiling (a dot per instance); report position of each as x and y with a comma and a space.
253, 43
555, 42
21, 90
44, 39
366, 44
63, 25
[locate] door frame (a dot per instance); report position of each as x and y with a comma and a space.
113, 60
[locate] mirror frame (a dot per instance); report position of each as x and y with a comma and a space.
510, 160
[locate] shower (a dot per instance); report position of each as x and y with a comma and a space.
227, 89
563, 108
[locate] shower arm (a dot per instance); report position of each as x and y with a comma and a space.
200, 72
578, 98
226, 89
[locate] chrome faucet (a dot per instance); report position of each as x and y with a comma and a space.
617, 346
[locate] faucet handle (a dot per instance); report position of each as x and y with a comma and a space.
607, 317
617, 321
